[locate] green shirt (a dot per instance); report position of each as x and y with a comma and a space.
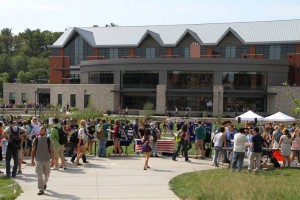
200, 133
105, 127
55, 135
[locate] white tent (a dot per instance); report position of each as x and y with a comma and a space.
249, 116
279, 117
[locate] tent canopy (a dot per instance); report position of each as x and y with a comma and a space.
279, 117
249, 116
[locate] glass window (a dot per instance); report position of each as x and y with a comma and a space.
150, 52
230, 51
139, 79
137, 102
113, 53
87, 99
75, 79
263, 49
73, 100
12, 97
203, 50
183, 52
286, 49
123, 52
243, 104
190, 80
275, 51
24, 97
245, 80
190, 103
101, 77
104, 52
59, 99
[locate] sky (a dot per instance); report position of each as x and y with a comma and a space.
58, 15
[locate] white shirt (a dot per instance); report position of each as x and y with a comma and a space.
240, 142
81, 134
218, 140
35, 128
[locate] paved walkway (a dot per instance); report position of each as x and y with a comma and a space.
110, 178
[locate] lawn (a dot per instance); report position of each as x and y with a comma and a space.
9, 189
222, 184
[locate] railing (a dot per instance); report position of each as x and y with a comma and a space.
95, 57
252, 55
131, 56
169, 56
209, 56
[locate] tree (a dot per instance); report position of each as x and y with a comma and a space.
296, 101
39, 67
25, 77
6, 39
4, 77
148, 107
111, 25
4, 62
19, 63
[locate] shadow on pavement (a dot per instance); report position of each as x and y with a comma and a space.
60, 196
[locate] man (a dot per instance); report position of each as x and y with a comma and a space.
256, 149
13, 134
200, 134
219, 140
155, 134
136, 129
171, 127
230, 135
42, 148
58, 148
239, 147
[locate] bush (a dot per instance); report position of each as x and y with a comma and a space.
148, 108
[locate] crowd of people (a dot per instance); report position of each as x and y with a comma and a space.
37, 139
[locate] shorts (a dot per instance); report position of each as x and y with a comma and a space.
90, 138
58, 151
20, 151
116, 139
199, 143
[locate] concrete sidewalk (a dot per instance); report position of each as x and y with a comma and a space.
110, 178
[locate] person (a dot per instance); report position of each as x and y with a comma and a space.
1, 137
239, 147
22, 149
136, 129
200, 134
185, 139
256, 149
58, 148
285, 142
276, 136
142, 131
117, 138
13, 134
171, 127
90, 136
147, 140
42, 148
176, 111
155, 134
296, 139
81, 147
230, 135
219, 140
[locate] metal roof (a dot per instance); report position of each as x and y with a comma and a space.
262, 32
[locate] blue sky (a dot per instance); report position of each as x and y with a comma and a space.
57, 15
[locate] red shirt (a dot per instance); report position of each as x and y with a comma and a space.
116, 129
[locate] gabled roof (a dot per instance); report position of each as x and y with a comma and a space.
264, 32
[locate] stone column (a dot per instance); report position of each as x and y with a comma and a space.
161, 99
218, 92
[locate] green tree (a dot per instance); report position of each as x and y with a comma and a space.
6, 40
39, 67
4, 77
19, 63
25, 77
4, 63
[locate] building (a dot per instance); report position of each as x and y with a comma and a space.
212, 69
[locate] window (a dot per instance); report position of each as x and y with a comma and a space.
137, 102
75, 79
59, 99
12, 97
123, 52
104, 52
286, 49
183, 52
139, 79
87, 99
203, 50
190, 80
263, 49
101, 77
230, 52
24, 97
190, 103
73, 100
113, 53
245, 80
242, 104
275, 51
150, 52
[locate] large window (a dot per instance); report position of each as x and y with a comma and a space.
190, 103
190, 80
230, 51
101, 77
263, 49
75, 79
243, 104
113, 53
183, 52
137, 102
59, 99
244, 80
275, 51
73, 100
12, 97
24, 97
150, 52
78, 50
139, 79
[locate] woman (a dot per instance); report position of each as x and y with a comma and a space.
81, 147
285, 142
117, 138
267, 136
185, 138
295, 138
275, 144
90, 136
147, 141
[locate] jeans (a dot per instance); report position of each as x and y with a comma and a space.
185, 146
1, 154
189, 146
238, 158
154, 148
216, 154
42, 170
75, 155
180, 144
102, 147
9, 154
251, 160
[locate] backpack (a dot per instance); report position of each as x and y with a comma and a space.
100, 133
277, 136
207, 137
36, 140
74, 137
14, 142
154, 134
275, 162
177, 137
208, 152
121, 133
62, 136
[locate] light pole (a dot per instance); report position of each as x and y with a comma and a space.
35, 92
84, 99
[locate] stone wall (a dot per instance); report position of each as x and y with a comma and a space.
161, 99
218, 100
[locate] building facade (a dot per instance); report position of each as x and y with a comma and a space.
212, 69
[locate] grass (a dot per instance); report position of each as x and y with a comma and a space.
9, 189
221, 184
